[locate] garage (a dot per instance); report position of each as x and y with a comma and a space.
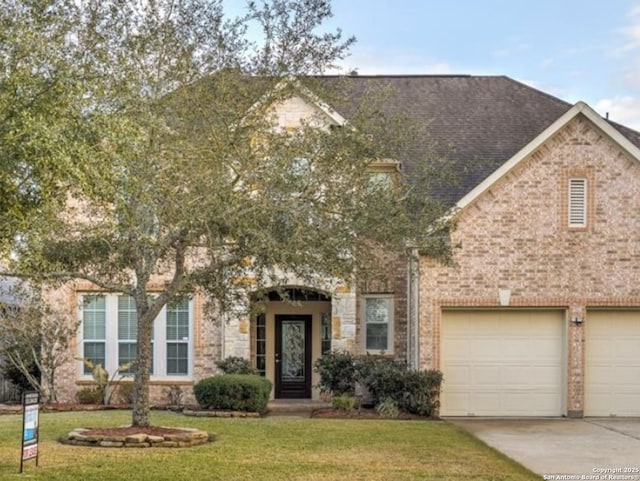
503, 362
612, 363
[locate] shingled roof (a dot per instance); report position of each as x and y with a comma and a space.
476, 122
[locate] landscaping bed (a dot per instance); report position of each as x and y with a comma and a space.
362, 413
137, 437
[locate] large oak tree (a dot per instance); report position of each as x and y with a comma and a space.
179, 170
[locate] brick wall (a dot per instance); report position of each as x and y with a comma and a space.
515, 236
392, 281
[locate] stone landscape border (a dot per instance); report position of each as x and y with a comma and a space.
179, 438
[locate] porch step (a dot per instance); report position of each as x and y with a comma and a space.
294, 407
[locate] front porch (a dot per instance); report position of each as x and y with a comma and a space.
291, 328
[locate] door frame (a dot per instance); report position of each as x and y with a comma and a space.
279, 391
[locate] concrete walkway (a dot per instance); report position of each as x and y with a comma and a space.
294, 407
592, 448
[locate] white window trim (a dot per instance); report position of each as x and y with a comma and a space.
577, 211
159, 344
390, 329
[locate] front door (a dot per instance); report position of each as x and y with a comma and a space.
293, 356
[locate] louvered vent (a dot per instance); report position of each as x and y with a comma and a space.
577, 202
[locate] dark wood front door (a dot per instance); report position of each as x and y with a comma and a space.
293, 356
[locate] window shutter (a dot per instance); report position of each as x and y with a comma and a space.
577, 202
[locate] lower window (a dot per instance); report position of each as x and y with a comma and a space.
378, 324
109, 335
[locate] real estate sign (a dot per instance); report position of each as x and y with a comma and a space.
30, 410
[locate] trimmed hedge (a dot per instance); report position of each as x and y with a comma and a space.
236, 392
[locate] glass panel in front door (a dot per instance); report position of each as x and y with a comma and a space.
293, 350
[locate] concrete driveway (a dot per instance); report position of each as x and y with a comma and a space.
598, 448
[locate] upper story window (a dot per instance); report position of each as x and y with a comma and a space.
382, 174
577, 206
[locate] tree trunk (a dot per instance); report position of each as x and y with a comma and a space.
141, 401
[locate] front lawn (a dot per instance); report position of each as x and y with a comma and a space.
269, 449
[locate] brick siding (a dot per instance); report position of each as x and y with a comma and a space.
515, 236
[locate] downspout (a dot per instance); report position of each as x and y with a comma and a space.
413, 303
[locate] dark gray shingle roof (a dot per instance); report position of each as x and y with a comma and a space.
476, 122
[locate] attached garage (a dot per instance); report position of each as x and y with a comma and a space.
503, 362
612, 363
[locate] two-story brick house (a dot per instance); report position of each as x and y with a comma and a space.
537, 314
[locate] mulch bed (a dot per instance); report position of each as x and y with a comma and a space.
363, 413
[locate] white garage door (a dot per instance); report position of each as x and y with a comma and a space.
612, 363
502, 363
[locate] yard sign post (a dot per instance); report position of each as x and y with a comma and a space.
30, 411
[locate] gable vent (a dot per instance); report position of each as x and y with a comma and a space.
577, 202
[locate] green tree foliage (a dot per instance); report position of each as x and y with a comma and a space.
178, 168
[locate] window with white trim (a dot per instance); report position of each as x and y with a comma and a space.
110, 330
94, 337
177, 336
577, 211
378, 324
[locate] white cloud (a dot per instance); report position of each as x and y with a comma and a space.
624, 110
634, 12
630, 33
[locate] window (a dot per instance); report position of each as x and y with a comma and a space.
378, 324
325, 326
110, 331
127, 333
178, 337
261, 344
93, 330
577, 202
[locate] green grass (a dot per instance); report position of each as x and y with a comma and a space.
269, 449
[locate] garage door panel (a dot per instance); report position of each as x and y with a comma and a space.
514, 361
628, 379
484, 376
458, 402
612, 363
485, 349
626, 351
458, 375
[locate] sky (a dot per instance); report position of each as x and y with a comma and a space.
585, 50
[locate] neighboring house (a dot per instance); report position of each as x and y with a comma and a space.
538, 312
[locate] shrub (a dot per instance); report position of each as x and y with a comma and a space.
174, 395
337, 372
413, 391
237, 392
422, 391
382, 377
124, 392
344, 403
235, 365
388, 408
90, 395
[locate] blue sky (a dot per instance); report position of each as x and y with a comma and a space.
574, 49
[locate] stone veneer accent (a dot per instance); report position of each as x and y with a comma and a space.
185, 439
515, 236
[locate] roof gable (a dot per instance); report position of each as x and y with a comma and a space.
579, 108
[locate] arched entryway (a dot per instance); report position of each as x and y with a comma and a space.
291, 329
